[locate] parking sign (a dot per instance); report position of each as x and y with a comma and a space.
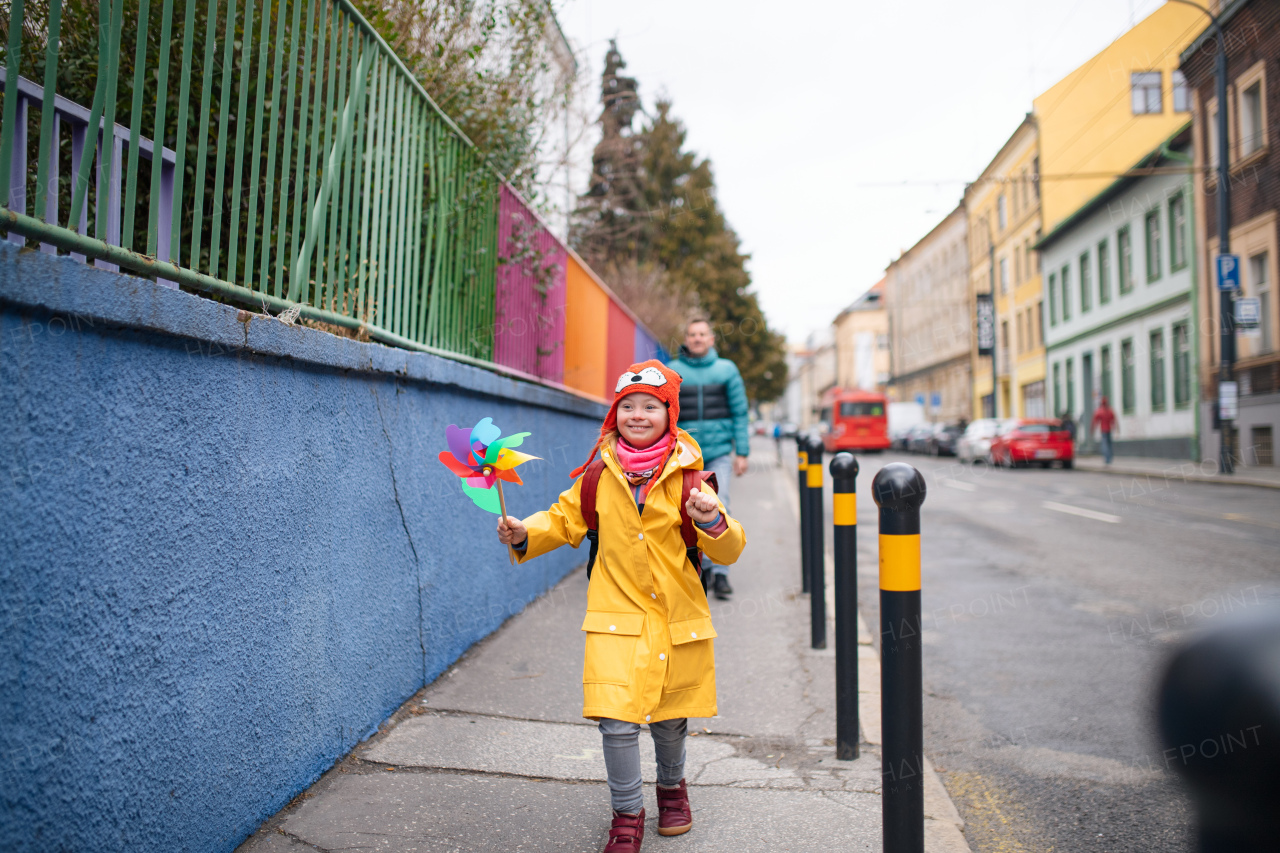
1228, 272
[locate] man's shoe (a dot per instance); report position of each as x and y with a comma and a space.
674, 815
720, 584
626, 834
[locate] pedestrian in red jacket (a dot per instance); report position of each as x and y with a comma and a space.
1105, 421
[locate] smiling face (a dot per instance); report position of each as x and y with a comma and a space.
642, 419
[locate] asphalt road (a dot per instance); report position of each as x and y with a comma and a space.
1051, 599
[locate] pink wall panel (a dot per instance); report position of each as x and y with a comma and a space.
528, 324
621, 346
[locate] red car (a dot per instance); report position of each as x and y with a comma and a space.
1028, 441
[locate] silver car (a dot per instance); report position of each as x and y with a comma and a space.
975, 444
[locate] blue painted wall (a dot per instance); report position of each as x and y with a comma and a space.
227, 552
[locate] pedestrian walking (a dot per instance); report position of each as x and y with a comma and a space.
1105, 421
714, 400
777, 441
650, 655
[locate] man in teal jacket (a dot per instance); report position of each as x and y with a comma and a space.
713, 409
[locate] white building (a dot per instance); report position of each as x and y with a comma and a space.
1120, 318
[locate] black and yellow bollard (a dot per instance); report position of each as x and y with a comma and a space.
802, 459
1218, 712
817, 550
844, 512
899, 491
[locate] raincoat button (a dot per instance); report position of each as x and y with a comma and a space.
641, 535
647, 717
694, 634
653, 595
662, 657
613, 627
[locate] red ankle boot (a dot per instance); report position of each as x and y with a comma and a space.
626, 834
675, 817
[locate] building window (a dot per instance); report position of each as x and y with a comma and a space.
1104, 357
1127, 391
1260, 285
1124, 248
1035, 177
1002, 213
1151, 228
882, 342
1181, 94
1004, 275
1069, 369
1157, 370
1104, 274
1053, 299
1040, 323
1181, 365
1251, 133
1263, 445
1086, 284
1145, 92
1066, 293
1033, 399
1029, 258
1177, 232
1057, 388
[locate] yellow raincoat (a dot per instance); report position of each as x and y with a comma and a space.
650, 650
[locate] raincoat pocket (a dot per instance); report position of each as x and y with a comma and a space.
611, 646
692, 658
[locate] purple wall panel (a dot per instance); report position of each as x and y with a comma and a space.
528, 326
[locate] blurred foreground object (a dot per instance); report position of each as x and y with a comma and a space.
1219, 719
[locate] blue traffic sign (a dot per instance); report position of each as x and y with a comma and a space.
1228, 272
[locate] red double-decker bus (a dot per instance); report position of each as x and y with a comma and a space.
856, 420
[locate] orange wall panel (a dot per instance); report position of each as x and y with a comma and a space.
586, 331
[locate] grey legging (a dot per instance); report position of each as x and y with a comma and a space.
622, 758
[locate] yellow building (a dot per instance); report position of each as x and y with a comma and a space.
1003, 211
1109, 113
862, 342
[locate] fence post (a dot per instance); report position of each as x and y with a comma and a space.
802, 459
844, 487
899, 492
1218, 713
817, 550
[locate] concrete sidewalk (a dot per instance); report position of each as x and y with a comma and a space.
1183, 470
494, 756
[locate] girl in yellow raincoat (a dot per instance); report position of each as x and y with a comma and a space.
649, 656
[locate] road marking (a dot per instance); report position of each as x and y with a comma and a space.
964, 487
1082, 512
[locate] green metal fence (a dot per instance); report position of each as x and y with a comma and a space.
301, 163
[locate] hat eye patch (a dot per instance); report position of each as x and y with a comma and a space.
650, 376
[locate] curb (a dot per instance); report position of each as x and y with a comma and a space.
1178, 472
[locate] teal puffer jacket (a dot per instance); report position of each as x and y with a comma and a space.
713, 403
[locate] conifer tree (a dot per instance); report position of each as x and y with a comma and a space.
611, 219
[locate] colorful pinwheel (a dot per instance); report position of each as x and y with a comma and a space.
483, 459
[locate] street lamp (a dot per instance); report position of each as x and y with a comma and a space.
1226, 314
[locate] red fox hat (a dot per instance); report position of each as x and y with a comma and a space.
647, 377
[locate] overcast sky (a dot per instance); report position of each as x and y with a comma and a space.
815, 114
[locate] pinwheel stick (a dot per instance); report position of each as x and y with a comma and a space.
502, 503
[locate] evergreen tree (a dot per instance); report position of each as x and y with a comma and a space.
689, 236
611, 220
651, 219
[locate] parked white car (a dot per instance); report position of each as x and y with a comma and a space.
975, 444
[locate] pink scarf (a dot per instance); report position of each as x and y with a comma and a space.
638, 465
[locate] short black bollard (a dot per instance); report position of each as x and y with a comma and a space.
1219, 713
844, 512
817, 550
802, 459
899, 491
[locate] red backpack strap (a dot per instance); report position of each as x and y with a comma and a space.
587, 503
590, 484
692, 480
